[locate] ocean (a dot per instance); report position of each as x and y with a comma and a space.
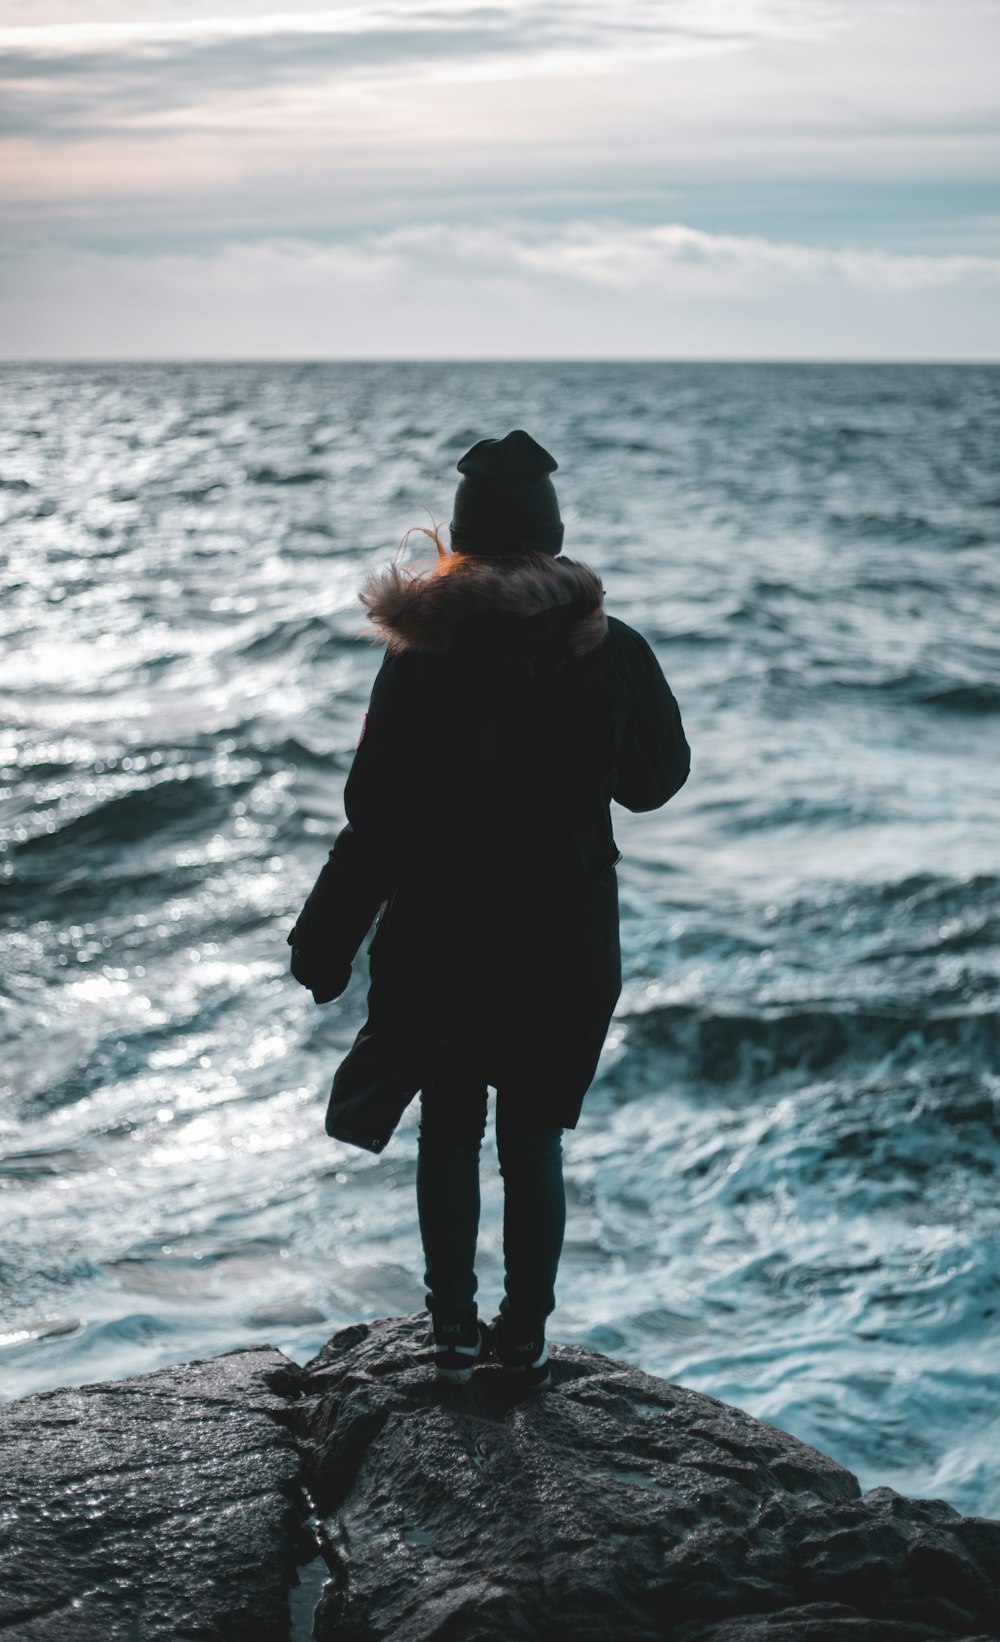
783, 1187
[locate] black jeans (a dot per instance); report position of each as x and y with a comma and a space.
452, 1126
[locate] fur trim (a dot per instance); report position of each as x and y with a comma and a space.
415, 610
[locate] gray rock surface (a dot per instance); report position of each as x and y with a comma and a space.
614, 1508
155, 1509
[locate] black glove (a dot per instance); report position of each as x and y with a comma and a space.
325, 984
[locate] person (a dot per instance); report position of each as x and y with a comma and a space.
508, 712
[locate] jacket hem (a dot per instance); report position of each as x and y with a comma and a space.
357, 1137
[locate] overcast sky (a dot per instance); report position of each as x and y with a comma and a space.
622, 178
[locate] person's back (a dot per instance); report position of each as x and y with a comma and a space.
509, 711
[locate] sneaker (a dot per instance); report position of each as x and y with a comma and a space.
523, 1357
460, 1341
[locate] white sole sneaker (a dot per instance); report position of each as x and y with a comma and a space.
533, 1375
457, 1363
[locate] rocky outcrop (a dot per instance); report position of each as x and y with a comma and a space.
162, 1507
615, 1508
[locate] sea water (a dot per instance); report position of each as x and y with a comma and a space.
783, 1187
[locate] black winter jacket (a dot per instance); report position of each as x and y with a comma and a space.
508, 712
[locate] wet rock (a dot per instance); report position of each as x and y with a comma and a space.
155, 1509
614, 1508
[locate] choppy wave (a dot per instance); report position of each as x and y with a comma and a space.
298, 476
755, 1047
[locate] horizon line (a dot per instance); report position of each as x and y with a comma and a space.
490, 359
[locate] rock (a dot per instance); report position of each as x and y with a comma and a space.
160, 1508
614, 1508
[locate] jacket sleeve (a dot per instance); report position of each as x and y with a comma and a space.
361, 869
654, 759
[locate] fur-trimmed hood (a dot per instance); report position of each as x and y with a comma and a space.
451, 607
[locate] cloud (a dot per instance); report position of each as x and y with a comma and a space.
433, 291
90, 78
627, 258
546, 21
241, 121
362, 178
87, 85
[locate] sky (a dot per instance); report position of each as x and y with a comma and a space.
727, 179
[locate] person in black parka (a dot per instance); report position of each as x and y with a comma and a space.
508, 711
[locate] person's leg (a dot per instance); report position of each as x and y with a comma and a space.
452, 1124
534, 1217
